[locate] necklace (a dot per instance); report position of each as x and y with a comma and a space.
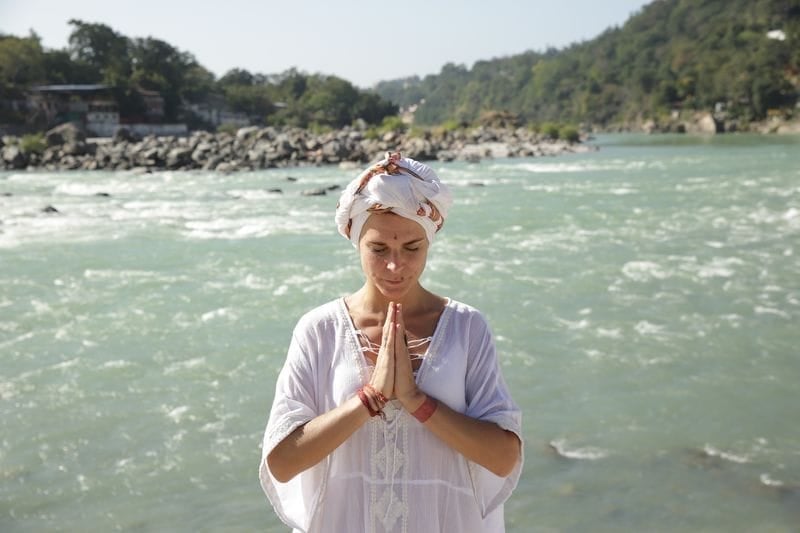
413, 345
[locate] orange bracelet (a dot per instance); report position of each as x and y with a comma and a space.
424, 411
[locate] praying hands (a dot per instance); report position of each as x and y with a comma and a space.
393, 377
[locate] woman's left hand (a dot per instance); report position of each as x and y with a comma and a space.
405, 388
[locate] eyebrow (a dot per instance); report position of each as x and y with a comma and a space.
383, 243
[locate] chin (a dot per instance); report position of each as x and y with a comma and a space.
393, 292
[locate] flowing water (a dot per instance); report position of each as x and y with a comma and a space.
645, 300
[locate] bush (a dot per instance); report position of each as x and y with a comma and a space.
550, 130
418, 132
445, 128
452, 125
228, 128
318, 128
392, 123
33, 143
569, 134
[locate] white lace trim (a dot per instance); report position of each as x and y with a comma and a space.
389, 510
389, 463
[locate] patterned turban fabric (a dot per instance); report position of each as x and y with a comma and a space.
399, 185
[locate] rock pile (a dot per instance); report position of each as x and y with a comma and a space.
67, 148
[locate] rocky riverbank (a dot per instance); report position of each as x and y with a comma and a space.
699, 123
66, 147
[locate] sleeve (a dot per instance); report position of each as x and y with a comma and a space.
488, 398
295, 404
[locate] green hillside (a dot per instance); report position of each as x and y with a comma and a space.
742, 56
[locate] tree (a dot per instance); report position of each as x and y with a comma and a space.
158, 66
21, 62
254, 100
236, 76
102, 50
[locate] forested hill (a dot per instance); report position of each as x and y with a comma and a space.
739, 55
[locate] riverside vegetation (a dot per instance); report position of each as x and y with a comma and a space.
738, 59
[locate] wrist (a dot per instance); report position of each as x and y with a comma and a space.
373, 405
426, 409
412, 401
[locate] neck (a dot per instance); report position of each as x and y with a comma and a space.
371, 300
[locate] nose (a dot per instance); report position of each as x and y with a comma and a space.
393, 263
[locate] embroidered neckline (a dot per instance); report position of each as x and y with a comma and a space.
363, 364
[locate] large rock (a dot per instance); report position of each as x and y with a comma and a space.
789, 127
149, 157
246, 133
334, 151
75, 148
202, 151
13, 157
179, 157
125, 135
67, 133
706, 123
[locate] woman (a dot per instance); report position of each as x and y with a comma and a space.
390, 413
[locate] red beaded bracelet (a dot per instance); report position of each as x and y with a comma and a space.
372, 412
424, 411
381, 398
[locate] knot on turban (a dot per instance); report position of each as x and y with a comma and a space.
395, 184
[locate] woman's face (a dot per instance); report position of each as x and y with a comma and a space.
393, 252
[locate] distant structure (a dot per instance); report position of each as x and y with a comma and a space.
777, 35
91, 105
214, 111
94, 108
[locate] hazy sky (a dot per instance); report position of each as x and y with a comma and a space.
359, 40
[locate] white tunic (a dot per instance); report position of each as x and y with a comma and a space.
392, 476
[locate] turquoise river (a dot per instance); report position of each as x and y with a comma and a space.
645, 299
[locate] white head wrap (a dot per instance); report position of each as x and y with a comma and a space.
401, 185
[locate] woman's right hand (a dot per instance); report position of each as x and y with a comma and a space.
383, 376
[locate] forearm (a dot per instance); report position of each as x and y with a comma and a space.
482, 442
312, 442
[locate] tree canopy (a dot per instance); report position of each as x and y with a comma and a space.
97, 53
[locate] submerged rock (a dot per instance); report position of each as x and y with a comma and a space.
319, 191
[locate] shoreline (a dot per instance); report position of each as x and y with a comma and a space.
66, 147
704, 123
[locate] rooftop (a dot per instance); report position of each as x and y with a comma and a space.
71, 88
